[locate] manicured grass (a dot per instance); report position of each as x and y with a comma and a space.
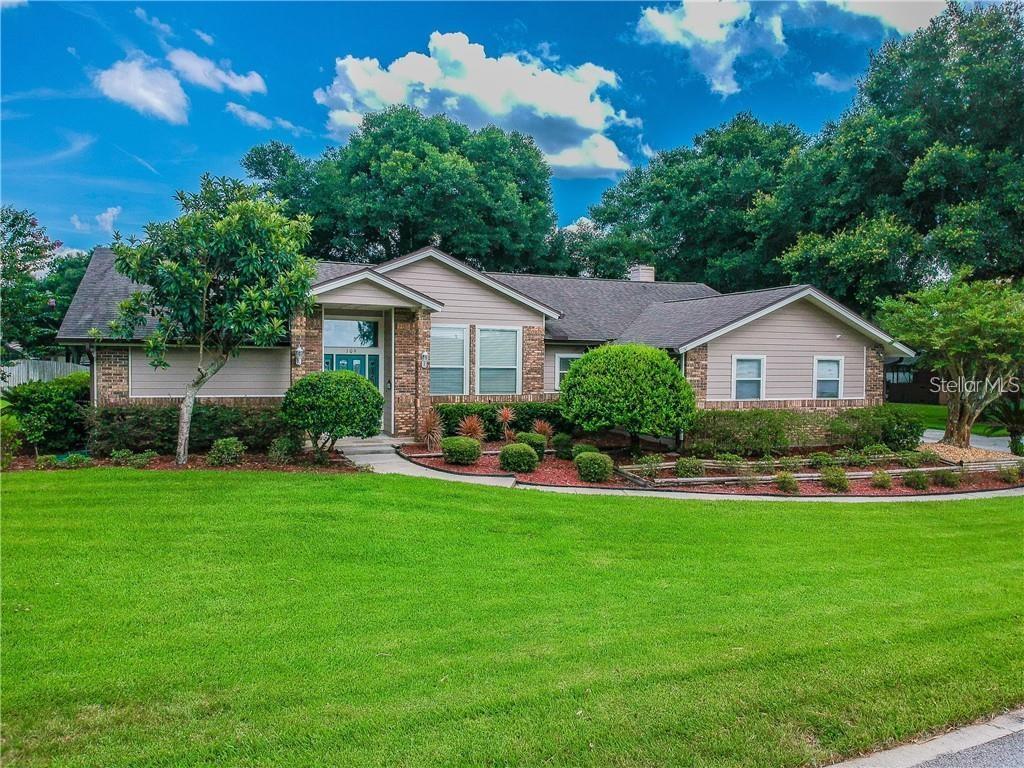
934, 417
209, 618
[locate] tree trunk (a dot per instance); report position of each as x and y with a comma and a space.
959, 423
188, 403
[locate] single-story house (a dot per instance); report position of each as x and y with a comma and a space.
427, 328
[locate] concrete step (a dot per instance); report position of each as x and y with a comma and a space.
354, 446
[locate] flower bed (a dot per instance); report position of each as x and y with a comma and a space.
977, 481
551, 471
250, 462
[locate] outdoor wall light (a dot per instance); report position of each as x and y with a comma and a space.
424, 360
300, 355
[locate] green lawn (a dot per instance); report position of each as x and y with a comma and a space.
208, 618
934, 417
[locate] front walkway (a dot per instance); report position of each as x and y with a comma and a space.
380, 455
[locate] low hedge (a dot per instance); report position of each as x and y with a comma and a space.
452, 413
142, 428
594, 467
460, 450
52, 414
538, 442
518, 457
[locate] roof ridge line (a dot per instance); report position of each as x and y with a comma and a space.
737, 293
603, 279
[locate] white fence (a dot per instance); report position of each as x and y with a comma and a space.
20, 371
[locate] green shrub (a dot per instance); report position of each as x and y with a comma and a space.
52, 413
820, 460
787, 482
730, 462
947, 478
562, 445
141, 427
121, 457
899, 430
916, 479
929, 457
226, 452
704, 449
594, 467
1009, 475
648, 466
753, 432
10, 439
525, 414
910, 459
46, 461
142, 459
330, 405
688, 467
633, 387
75, 461
584, 448
876, 450
881, 479
765, 465
284, 449
854, 459
790, 464
518, 457
460, 450
835, 479
539, 443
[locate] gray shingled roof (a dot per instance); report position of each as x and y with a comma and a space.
677, 323
593, 309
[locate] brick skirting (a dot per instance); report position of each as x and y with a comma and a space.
528, 397
788, 405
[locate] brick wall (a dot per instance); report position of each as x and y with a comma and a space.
111, 371
411, 381
696, 371
533, 359
307, 331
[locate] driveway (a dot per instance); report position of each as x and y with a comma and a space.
977, 441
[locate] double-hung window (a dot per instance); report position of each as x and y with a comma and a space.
748, 377
828, 378
562, 363
449, 350
498, 358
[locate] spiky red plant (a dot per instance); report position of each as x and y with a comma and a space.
432, 430
472, 426
542, 427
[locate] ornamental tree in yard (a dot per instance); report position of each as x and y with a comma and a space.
632, 387
228, 272
330, 405
972, 333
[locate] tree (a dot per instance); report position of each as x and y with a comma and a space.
1008, 412
230, 271
25, 251
970, 332
330, 405
404, 181
628, 386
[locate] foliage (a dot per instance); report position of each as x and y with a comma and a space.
820, 459
881, 479
562, 445
10, 439
46, 461
460, 450
471, 425
835, 479
854, 458
518, 457
789, 463
753, 432
896, 428
1010, 475
124, 457
75, 461
916, 479
523, 416
584, 448
1008, 412
120, 457
431, 430
143, 427
689, 467
538, 442
765, 465
629, 386
947, 478
730, 462
787, 482
649, 465
505, 415
877, 450
543, 427
284, 449
229, 271
971, 333
404, 181
52, 413
594, 467
910, 459
226, 452
329, 405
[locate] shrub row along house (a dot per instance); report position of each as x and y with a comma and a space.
426, 328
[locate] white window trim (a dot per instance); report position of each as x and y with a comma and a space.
764, 375
465, 357
558, 366
814, 381
519, 357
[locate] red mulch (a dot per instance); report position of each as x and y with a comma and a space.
551, 471
251, 462
980, 481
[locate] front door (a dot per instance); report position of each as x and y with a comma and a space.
367, 365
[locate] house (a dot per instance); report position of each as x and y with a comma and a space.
427, 328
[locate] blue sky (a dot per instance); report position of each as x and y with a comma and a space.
108, 108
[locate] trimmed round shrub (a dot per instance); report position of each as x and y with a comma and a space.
876, 450
330, 405
75, 461
460, 450
46, 461
787, 482
911, 459
835, 479
518, 457
947, 478
538, 442
689, 467
584, 448
820, 459
284, 449
562, 445
917, 480
226, 452
648, 466
1009, 475
881, 479
632, 387
594, 467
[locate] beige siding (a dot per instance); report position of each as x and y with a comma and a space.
466, 300
550, 363
789, 338
364, 294
254, 373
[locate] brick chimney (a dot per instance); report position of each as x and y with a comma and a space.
641, 273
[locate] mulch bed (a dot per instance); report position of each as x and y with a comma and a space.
551, 471
251, 462
979, 481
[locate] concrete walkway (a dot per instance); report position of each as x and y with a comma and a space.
977, 441
381, 456
999, 743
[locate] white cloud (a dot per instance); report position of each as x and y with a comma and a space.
78, 224
564, 108
202, 71
145, 88
105, 220
835, 83
292, 128
73, 51
163, 30
206, 37
12, 3
248, 116
75, 144
901, 15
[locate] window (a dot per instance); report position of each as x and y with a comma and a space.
748, 378
828, 378
448, 353
562, 363
899, 374
497, 355
350, 333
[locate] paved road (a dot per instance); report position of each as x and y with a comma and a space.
988, 443
1007, 752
